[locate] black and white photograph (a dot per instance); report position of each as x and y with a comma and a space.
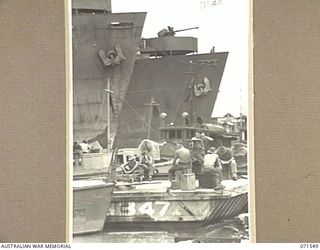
160, 116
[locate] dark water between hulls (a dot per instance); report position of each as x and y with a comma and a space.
234, 230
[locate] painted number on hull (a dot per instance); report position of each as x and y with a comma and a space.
165, 206
147, 208
131, 210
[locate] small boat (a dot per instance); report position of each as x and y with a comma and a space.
155, 202
91, 201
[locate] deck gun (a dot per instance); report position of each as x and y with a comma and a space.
171, 32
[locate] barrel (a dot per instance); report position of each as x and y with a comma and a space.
208, 180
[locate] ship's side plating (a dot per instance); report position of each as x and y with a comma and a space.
170, 81
97, 33
207, 206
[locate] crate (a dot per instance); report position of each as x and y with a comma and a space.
180, 172
188, 182
93, 161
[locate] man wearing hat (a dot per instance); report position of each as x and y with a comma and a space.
229, 165
206, 141
197, 151
196, 141
211, 169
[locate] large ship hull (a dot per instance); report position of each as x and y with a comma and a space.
94, 32
169, 81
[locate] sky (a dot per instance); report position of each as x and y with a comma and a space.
222, 24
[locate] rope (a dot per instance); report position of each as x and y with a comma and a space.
181, 96
102, 104
100, 111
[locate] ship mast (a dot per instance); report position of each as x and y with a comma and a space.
109, 92
241, 123
151, 104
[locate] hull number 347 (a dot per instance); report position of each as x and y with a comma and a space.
150, 208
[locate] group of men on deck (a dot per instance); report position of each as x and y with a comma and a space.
204, 159
199, 157
84, 147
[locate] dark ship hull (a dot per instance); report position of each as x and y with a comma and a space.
104, 50
94, 31
170, 82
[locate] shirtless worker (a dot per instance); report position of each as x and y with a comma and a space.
182, 160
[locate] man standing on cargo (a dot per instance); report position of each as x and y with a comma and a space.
182, 160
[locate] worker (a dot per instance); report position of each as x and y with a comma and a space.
211, 162
85, 147
212, 166
182, 160
196, 141
77, 154
197, 151
151, 148
147, 166
228, 163
206, 141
